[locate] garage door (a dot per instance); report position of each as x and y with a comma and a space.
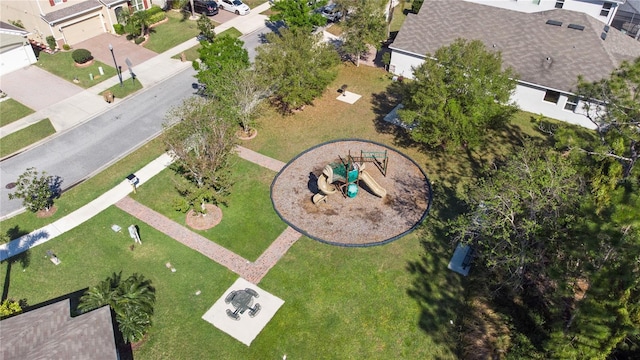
83, 30
17, 58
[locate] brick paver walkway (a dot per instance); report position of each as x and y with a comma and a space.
252, 272
257, 158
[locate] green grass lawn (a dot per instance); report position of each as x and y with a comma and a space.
245, 231
128, 87
62, 65
391, 301
11, 110
83, 193
174, 32
25, 137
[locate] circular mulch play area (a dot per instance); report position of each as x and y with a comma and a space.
364, 220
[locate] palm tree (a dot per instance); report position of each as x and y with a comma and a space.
132, 301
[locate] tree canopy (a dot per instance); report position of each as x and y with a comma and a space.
458, 93
220, 59
200, 135
300, 66
37, 190
132, 300
613, 106
365, 26
298, 14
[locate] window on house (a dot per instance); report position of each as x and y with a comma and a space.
606, 7
55, 2
571, 104
137, 5
552, 96
559, 4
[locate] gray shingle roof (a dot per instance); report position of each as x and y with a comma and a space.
525, 40
74, 10
50, 332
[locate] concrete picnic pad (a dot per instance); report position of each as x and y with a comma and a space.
247, 328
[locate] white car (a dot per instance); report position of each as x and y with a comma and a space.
235, 6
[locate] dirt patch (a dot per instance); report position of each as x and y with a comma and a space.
47, 213
204, 221
363, 220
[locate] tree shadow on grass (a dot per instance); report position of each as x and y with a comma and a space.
438, 290
24, 259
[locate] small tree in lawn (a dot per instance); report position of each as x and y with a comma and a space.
366, 26
243, 92
206, 28
300, 66
200, 135
36, 190
458, 96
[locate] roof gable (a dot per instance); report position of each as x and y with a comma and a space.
547, 55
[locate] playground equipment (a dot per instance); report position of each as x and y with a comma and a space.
346, 175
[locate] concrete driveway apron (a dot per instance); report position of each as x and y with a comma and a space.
37, 88
122, 49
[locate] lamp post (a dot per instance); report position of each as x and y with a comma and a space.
118, 69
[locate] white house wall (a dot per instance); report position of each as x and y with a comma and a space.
589, 7
532, 100
402, 64
527, 97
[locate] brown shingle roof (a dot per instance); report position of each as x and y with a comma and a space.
50, 332
74, 10
525, 40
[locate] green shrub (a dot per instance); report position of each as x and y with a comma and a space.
416, 5
118, 28
139, 40
81, 56
154, 10
132, 29
66, 47
130, 37
157, 17
51, 41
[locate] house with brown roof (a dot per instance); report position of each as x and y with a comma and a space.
68, 21
601, 10
548, 50
49, 332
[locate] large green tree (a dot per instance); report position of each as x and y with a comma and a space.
458, 94
520, 216
220, 60
300, 66
132, 300
200, 136
365, 26
613, 106
298, 14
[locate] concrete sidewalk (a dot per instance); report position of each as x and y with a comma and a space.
87, 104
113, 196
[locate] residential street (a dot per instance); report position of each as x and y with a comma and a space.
86, 149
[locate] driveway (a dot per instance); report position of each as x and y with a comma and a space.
37, 88
122, 49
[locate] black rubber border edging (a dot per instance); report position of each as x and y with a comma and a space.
383, 242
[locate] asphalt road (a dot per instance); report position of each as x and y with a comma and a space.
83, 151
256, 38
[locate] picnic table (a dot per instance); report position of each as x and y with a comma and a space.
242, 300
